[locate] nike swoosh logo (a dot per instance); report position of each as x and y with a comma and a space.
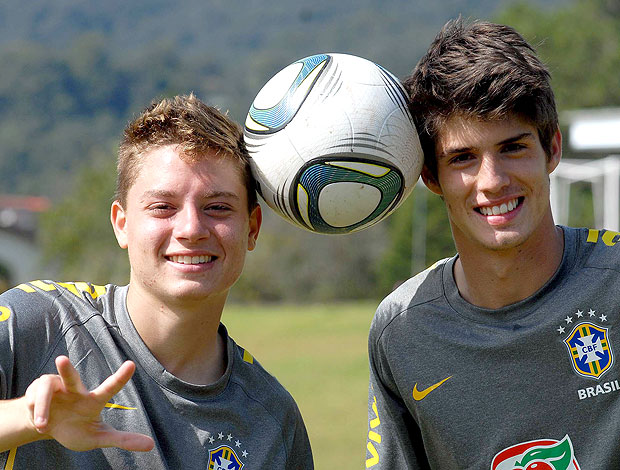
120, 407
420, 394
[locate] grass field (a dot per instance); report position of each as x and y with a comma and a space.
319, 354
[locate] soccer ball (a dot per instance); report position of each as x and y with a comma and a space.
333, 146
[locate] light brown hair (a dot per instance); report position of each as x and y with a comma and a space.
198, 129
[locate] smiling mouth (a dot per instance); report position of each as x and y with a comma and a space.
191, 259
501, 209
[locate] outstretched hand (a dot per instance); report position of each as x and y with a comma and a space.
61, 408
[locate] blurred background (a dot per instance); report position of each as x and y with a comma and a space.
73, 72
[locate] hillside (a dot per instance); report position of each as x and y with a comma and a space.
74, 71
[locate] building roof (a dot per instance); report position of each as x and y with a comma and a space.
18, 214
27, 203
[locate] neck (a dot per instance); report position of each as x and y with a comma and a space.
495, 279
183, 337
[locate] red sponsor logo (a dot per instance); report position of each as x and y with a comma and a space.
541, 454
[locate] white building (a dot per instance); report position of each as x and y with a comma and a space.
591, 133
19, 252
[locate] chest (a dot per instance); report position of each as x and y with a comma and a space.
476, 389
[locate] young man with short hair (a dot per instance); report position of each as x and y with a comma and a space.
184, 395
502, 356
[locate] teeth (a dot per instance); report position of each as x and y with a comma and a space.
191, 259
502, 209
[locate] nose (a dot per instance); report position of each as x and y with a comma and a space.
190, 224
492, 175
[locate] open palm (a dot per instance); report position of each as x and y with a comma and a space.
61, 408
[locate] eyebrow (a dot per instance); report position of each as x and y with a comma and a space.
164, 194
516, 138
509, 140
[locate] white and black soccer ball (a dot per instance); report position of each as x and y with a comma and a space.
333, 146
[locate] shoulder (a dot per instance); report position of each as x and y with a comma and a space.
597, 248
262, 388
36, 290
37, 322
42, 301
267, 405
421, 289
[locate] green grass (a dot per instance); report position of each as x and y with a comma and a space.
319, 354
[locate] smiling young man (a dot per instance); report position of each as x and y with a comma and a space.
502, 356
184, 395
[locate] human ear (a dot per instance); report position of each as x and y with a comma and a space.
256, 219
555, 152
430, 181
119, 223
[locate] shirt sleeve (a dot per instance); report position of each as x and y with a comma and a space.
394, 441
300, 453
8, 339
26, 329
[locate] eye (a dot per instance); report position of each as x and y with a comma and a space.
160, 208
514, 147
218, 209
461, 158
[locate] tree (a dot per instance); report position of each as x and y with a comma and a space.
581, 46
76, 236
423, 214
60, 108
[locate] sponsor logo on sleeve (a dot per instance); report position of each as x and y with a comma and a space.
373, 435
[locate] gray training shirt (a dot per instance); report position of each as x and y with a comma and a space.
246, 420
534, 385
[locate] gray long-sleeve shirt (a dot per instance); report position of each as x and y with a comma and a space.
244, 420
454, 386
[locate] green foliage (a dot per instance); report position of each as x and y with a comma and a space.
73, 74
396, 265
419, 234
582, 205
581, 46
76, 235
292, 264
438, 232
59, 106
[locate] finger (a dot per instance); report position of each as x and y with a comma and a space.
42, 393
114, 383
70, 377
130, 441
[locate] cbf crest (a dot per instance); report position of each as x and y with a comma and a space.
589, 349
224, 458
